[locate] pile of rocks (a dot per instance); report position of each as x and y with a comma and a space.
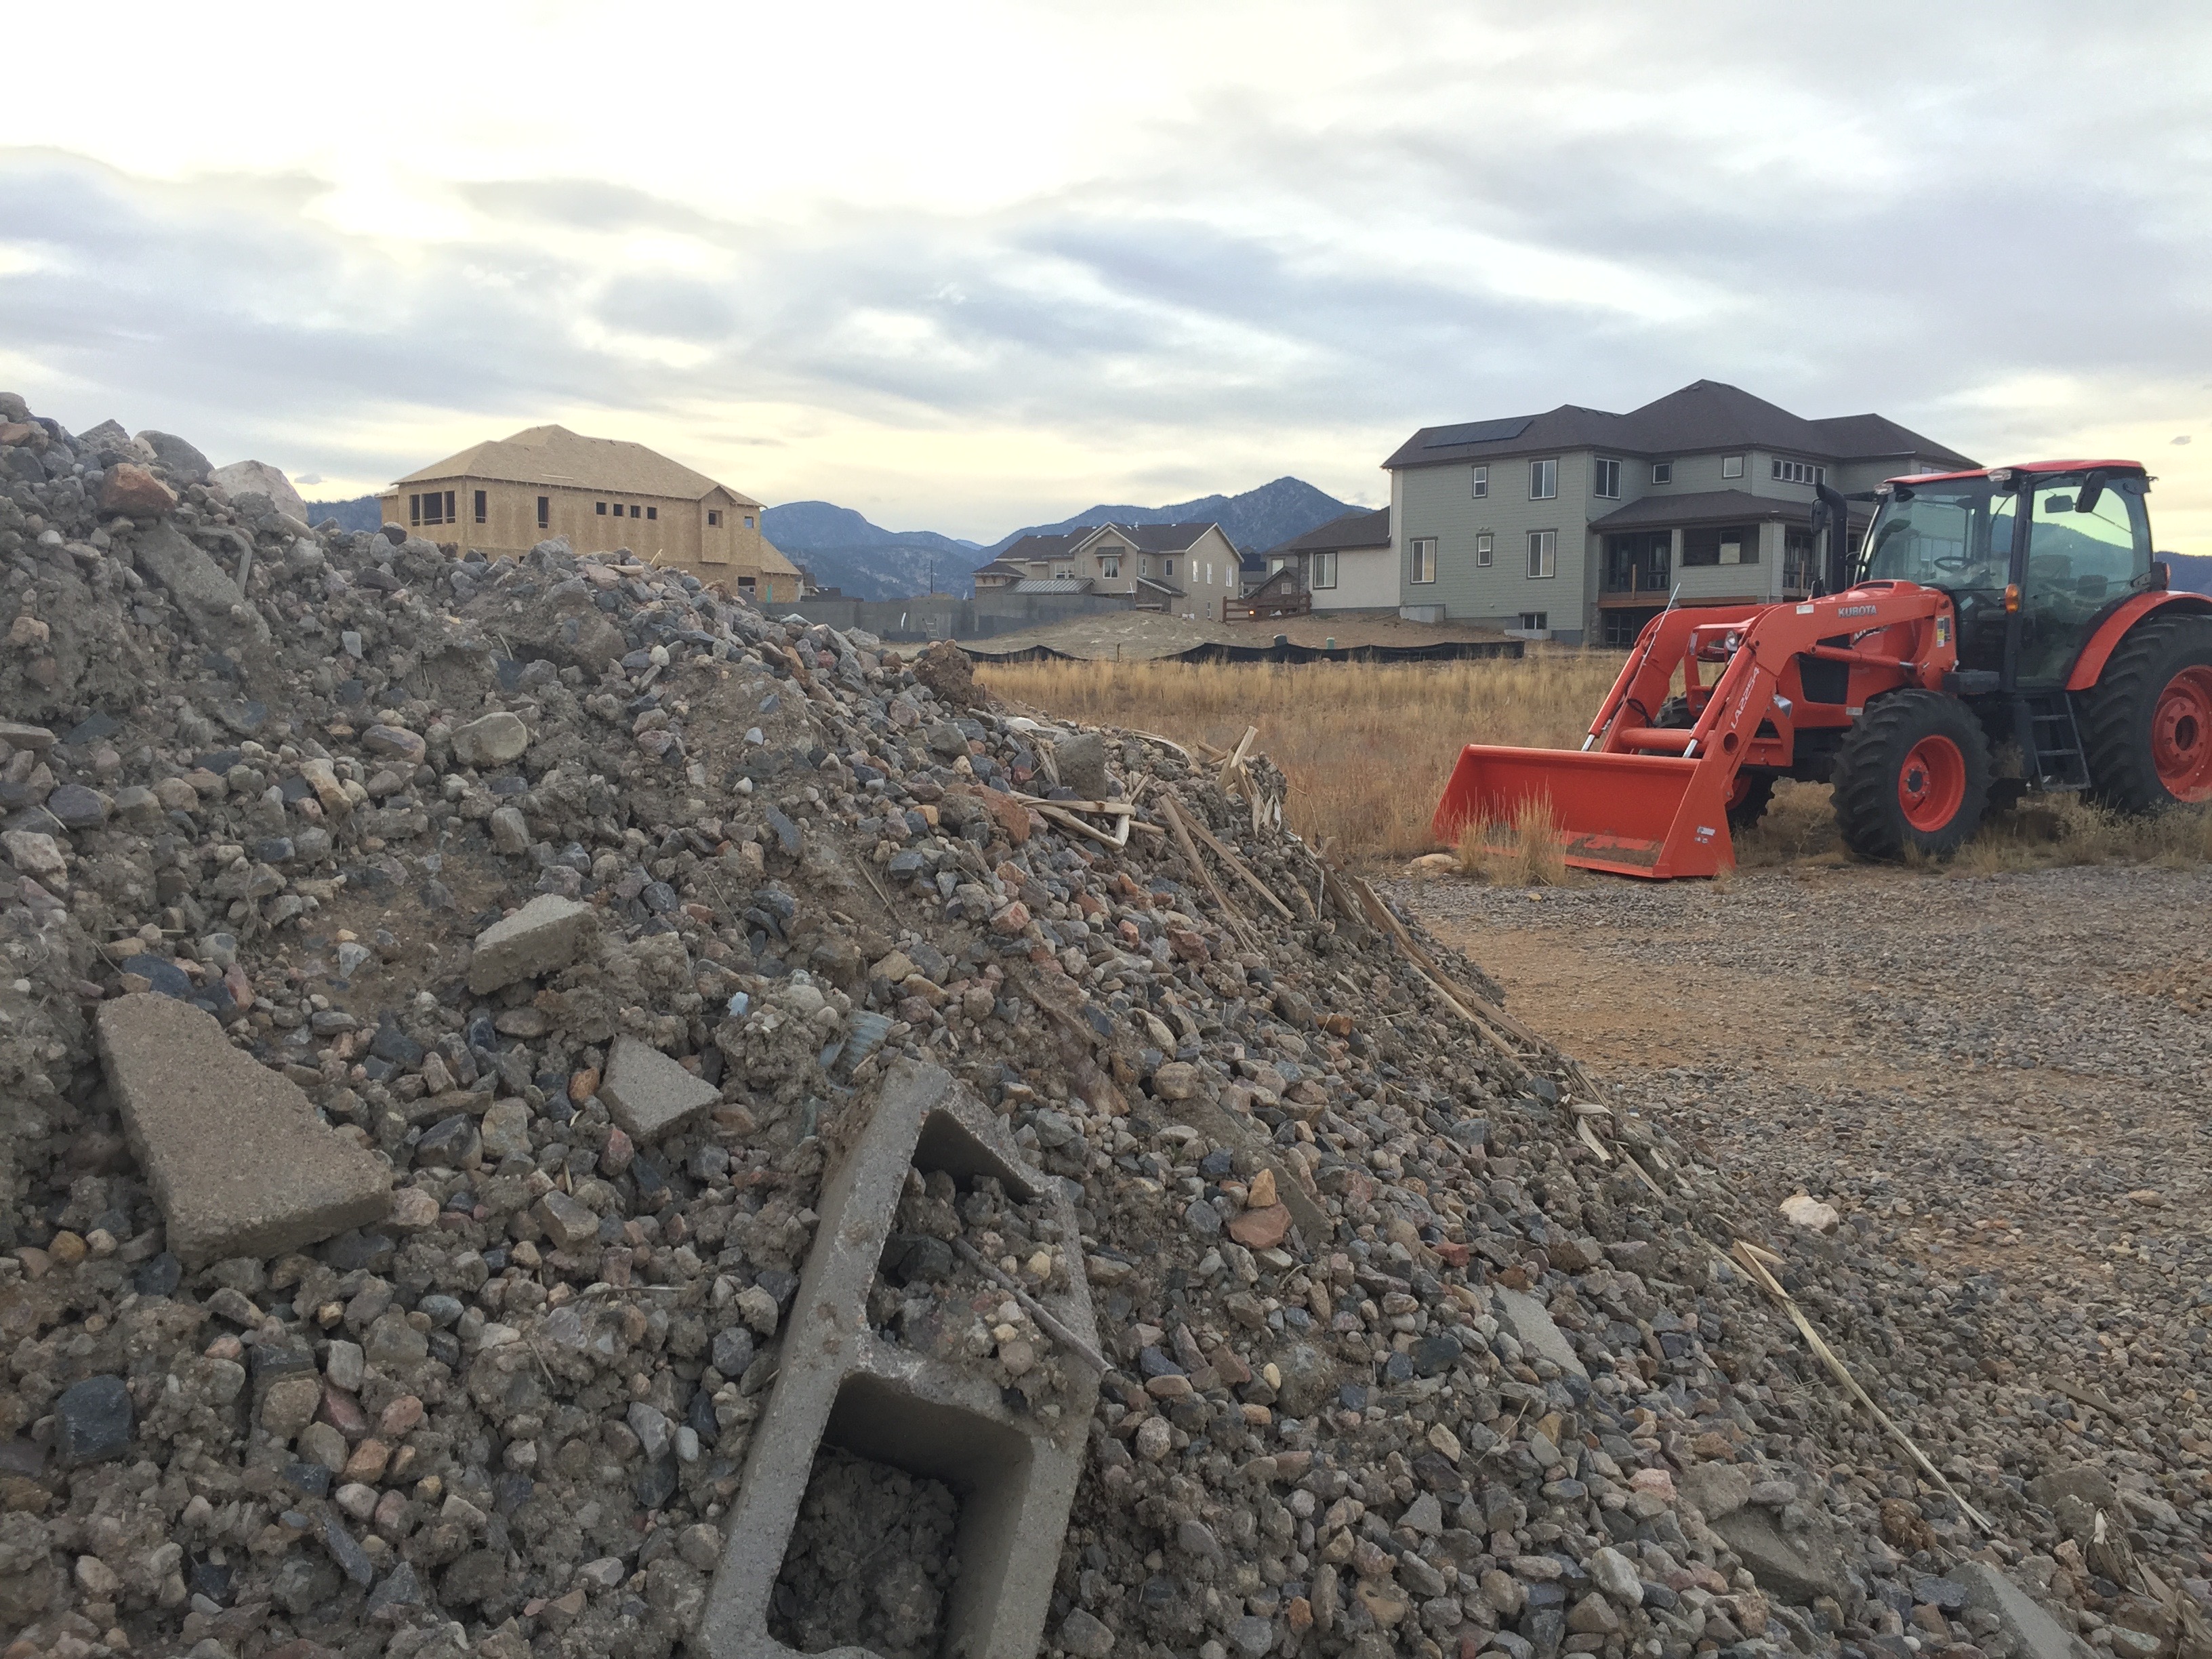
561, 911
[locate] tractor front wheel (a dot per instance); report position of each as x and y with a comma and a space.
2148, 726
1914, 772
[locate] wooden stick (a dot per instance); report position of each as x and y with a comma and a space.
1048, 1321
1238, 865
1190, 851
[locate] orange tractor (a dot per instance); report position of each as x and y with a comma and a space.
2010, 620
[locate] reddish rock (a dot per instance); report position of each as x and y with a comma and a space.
1009, 814
343, 1413
1187, 946
1261, 1229
135, 491
614, 1157
1011, 920
400, 1418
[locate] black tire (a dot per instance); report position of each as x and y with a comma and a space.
2120, 717
1749, 807
1871, 777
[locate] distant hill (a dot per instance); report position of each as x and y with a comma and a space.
2191, 572
845, 551
360, 513
1255, 520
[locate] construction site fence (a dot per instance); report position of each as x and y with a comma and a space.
1281, 651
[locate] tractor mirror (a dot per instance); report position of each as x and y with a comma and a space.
2091, 492
2054, 504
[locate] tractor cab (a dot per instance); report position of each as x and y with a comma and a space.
2032, 558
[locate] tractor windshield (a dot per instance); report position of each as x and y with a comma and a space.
1956, 534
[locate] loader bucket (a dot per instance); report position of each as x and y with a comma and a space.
1657, 816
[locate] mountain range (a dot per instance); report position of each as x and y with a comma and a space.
844, 551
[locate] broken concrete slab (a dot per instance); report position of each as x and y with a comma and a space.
238, 1162
214, 609
1797, 1565
650, 1094
1532, 1327
1717, 1489
548, 932
2035, 1633
839, 1382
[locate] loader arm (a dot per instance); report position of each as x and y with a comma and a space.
1644, 799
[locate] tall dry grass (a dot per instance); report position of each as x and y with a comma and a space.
1526, 850
1367, 747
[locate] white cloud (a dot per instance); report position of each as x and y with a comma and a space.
984, 261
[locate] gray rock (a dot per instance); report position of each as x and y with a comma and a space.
93, 1421
2083, 1480
655, 1434
1532, 1327
1796, 1566
345, 1549
505, 1129
260, 478
1252, 1635
1086, 1636
1617, 1577
1082, 762
214, 610
2035, 1633
493, 740
548, 932
648, 1093
179, 457
1717, 1489
78, 807
510, 830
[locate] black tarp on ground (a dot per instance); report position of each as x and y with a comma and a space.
1281, 651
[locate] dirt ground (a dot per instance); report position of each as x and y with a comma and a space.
1137, 636
2000, 1076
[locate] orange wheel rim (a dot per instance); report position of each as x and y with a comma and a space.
2181, 735
1931, 785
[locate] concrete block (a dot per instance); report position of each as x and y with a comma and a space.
547, 933
1532, 1327
2035, 1633
1015, 1475
650, 1094
237, 1160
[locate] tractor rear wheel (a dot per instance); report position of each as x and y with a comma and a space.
1914, 772
2148, 726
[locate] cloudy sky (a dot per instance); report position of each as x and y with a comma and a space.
968, 266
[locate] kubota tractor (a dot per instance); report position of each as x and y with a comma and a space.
2013, 612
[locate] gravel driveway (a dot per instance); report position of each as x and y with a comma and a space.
2001, 1082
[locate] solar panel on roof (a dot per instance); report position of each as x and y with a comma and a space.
1478, 432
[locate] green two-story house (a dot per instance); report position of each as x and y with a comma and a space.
1578, 524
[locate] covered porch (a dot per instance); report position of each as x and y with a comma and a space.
1721, 547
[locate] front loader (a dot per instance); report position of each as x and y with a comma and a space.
2015, 612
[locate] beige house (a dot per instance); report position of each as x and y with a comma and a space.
505, 496
1183, 570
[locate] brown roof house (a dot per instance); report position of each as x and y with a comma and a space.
1184, 569
602, 495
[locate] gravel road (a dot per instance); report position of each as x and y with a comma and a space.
2000, 1082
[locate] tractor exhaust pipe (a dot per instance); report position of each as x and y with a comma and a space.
1831, 512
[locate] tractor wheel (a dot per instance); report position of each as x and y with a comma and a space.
1748, 799
2148, 726
1913, 772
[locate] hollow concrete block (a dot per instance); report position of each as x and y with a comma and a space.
1015, 1475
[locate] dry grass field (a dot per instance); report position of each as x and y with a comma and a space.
1368, 748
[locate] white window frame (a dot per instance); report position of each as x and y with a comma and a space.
1480, 484
1421, 560
1731, 466
1798, 472
1604, 479
1063, 573
1544, 479
1110, 565
1543, 555
1322, 571
1663, 473
1485, 550
1535, 622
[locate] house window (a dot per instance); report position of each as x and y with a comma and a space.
1731, 466
1063, 573
1543, 480
652, 512
1543, 554
1324, 570
1421, 553
1485, 550
1731, 544
1605, 480
1167, 566
713, 518
1481, 482
1109, 567
413, 509
545, 511
600, 508
432, 507
633, 510
1535, 622
744, 584
1144, 567
749, 521
480, 506
1800, 472
1663, 473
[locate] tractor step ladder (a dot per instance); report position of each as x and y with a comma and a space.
2050, 741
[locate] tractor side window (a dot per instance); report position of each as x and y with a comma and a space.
1953, 540
2093, 553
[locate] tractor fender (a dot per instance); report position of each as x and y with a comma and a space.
2089, 666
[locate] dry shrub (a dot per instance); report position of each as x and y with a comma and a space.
1368, 747
1526, 850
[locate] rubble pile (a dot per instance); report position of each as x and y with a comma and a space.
565, 911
